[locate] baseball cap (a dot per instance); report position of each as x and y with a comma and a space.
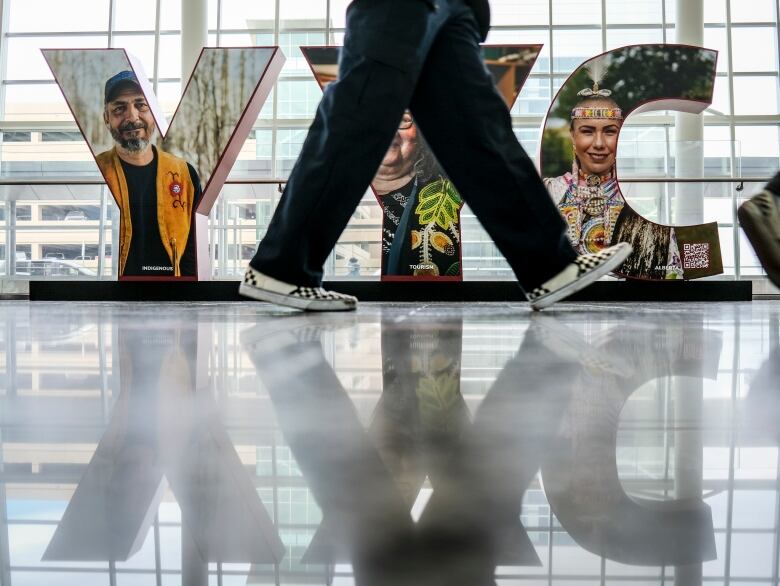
120, 80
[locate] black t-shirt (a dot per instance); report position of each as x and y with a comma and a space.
147, 255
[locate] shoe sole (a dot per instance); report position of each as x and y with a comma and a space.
755, 228
293, 302
587, 279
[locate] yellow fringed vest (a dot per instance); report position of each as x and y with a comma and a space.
174, 210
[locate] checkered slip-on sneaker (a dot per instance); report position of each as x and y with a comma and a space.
760, 219
586, 269
261, 287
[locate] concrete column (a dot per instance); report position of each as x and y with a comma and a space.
688, 206
194, 34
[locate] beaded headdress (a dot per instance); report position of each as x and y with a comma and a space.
597, 70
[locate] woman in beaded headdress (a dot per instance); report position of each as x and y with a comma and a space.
588, 197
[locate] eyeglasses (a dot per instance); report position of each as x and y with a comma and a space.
406, 122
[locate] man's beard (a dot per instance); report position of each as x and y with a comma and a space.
131, 145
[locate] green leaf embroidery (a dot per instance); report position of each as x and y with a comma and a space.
439, 203
440, 399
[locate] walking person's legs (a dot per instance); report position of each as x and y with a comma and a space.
469, 128
760, 219
385, 45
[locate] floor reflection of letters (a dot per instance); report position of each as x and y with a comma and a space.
165, 430
545, 410
580, 472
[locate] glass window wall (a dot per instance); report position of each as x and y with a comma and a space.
741, 126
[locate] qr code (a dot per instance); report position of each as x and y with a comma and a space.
696, 256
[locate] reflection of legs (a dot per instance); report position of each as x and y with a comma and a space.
322, 428
353, 128
469, 129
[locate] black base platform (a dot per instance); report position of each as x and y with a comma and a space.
474, 291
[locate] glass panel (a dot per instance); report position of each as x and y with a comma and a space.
298, 99
755, 95
759, 150
237, 14
754, 48
139, 46
169, 95
526, 13
573, 47
721, 103
246, 39
715, 38
35, 102
26, 62
622, 37
302, 14
290, 44
534, 99
576, 12
170, 67
634, 12
338, 13
37, 16
170, 15
753, 11
135, 15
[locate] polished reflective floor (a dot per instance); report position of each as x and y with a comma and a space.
211, 444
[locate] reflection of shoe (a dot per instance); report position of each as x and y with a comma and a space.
585, 269
571, 346
760, 219
261, 287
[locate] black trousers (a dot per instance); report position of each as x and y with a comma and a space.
423, 55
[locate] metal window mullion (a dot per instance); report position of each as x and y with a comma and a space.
777, 54
603, 570
777, 39
274, 119
604, 26
111, 16
104, 381
10, 237
552, 47
776, 533
733, 135
667, 173
102, 232
663, 21
735, 365
275, 495
4, 19
156, 66
219, 23
157, 552
327, 21
549, 537
5, 550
